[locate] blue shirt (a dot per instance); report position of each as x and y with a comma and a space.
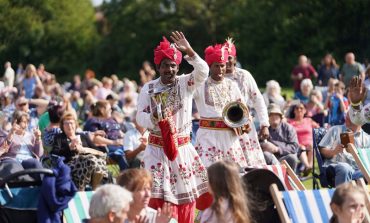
336, 116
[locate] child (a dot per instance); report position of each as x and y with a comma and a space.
229, 204
348, 204
337, 104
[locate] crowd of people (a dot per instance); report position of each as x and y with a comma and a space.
169, 135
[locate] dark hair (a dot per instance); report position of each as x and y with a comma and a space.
98, 108
292, 108
56, 113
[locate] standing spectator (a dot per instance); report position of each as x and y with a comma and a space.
304, 94
302, 71
30, 81
329, 90
9, 75
337, 105
351, 68
329, 69
76, 84
229, 195
283, 141
42, 73
303, 127
273, 94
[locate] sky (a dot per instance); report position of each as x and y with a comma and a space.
96, 2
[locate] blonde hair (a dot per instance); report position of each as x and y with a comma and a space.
134, 179
226, 184
340, 195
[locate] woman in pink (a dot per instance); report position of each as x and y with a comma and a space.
303, 126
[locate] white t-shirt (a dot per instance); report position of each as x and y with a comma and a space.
132, 141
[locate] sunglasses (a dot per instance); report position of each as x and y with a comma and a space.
299, 108
22, 104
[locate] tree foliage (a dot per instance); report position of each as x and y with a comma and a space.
269, 34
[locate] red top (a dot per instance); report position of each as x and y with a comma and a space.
304, 131
306, 73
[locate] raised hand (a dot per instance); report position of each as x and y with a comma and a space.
164, 214
357, 90
181, 43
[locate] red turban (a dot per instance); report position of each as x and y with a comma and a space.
229, 44
166, 50
216, 54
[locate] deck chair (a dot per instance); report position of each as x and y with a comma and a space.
361, 157
326, 174
308, 206
285, 173
78, 207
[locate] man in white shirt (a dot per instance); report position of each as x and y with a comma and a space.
9, 75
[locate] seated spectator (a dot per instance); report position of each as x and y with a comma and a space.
315, 107
139, 183
304, 94
102, 120
303, 127
336, 155
22, 104
106, 89
329, 90
135, 142
273, 94
283, 141
21, 145
110, 203
229, 196
348, 204
337, 105
88, 165
328, 69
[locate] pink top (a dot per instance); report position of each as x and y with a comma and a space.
304, 131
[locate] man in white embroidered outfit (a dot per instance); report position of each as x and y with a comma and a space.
253, 98
183, 180
215, 140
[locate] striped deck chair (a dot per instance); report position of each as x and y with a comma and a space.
362, 158
78, 207
285, 174
303, 206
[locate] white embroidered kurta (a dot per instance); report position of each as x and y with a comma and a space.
253, 98
184, 179
213, 145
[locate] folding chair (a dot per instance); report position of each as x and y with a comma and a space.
285, 173
361, 157
326, 174
78, 207
310, 205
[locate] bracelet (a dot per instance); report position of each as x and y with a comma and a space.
356, 104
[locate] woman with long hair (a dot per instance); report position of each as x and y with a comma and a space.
229, 195
328, 69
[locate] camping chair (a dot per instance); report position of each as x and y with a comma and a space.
326, 174
78, 207
285, 173
361, 157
